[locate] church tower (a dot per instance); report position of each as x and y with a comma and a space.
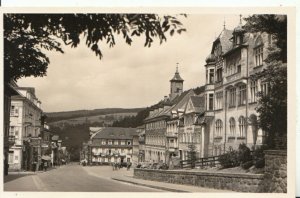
176, 85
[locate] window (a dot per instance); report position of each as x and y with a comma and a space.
253, 91
219, 74
211, 102
242, 126
232, 127
116, 142
14, 111
239, 69
219, 127
258, 55
103, 142
12, 131
264, 86
11, 158
128, 142
219, 100
242, 94
232, 97
211, 76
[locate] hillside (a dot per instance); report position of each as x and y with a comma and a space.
96, 116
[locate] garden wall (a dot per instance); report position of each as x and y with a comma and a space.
274, 178
230, 181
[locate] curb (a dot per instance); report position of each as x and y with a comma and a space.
149, 185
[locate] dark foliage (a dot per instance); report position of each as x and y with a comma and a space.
133, 121
259, 156
72, 136
192, 157
229, 159
247, 165
244, 154
26, 36
275, 25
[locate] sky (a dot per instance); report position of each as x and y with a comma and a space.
128, 76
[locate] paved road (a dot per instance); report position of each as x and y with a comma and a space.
72, 178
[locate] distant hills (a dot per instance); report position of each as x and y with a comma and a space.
93, 117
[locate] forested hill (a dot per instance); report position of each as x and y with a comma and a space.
67, 115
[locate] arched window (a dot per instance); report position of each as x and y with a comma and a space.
219, 127
242, 126
232, 127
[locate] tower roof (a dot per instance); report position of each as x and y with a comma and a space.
177, 77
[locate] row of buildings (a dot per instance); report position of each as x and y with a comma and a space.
215, 118
28, 140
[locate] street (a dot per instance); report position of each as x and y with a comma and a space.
73, 178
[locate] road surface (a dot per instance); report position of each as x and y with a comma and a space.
72, 178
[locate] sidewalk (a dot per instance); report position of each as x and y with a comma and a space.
165, 186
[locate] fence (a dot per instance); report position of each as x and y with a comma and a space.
201, 162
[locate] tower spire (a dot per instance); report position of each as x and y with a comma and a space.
177, 67
224, 25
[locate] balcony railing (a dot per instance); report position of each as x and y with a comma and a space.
234, 77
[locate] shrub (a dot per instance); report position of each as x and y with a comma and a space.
260, 163
244, 154
229, 159
247, 165
259, 157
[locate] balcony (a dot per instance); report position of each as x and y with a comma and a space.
171, 134
234, 77
209, 87
218, 84
209, 113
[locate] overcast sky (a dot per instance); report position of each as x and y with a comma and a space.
128, 76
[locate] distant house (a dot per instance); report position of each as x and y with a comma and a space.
112, 144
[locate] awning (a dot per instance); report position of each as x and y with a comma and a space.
46, 157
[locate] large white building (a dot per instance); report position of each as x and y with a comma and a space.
25, 127
221, 115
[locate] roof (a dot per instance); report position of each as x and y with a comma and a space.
224, 39
177, 77
177, 103
116, 133
198, 103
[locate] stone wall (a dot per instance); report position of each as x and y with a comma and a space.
230, 181
275, 178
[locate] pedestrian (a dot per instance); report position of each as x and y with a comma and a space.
128, 165
45, 165
113, 165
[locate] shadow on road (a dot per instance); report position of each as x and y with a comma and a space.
9, 178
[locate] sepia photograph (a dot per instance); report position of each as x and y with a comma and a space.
146, 101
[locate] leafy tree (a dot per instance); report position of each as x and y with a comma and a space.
27, 36
272, 106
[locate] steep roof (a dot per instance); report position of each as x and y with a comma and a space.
224, 39
116, 133
198, 103
177, 77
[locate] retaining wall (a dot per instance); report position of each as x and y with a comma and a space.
274, 178
230, 181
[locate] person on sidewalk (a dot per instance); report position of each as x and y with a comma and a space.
45, 165
128, 165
